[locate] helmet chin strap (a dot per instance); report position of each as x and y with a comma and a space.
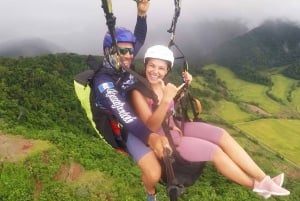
112, 58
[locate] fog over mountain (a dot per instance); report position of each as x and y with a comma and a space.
79, 25
274, 43
29, 47
200, 38
194, 39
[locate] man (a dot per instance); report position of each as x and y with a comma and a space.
109, 88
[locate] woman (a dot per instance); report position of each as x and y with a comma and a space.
201, 141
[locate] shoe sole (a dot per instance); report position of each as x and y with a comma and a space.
270, 192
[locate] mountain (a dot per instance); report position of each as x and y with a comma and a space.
196, 39
274, 43
28, 47
201, 37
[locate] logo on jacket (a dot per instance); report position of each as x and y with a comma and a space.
119, 106
106, 85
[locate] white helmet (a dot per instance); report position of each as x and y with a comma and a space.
160, 52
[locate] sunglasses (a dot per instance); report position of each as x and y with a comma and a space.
124, 50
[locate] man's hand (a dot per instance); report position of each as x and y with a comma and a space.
142, 7
158, 143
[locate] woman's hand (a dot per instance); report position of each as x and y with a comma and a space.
187, 77
169, 91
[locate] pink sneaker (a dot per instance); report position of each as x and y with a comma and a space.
267, 186
277, 180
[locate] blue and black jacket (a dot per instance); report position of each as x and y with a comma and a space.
110, 90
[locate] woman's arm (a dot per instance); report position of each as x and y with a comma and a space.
153, 120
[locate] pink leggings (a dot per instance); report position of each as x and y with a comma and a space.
199, 141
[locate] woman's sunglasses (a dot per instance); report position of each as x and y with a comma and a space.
124, 50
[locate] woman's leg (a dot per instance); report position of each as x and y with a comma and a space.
203, 131
262, 183
240, 157
227, 143
264, 187
231, 170
229, 152
196, 150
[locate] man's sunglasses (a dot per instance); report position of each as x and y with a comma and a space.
124, 50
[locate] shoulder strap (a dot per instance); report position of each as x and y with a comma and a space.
84, 78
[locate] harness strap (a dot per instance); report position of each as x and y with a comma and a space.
175, 18
110, 19
183, 97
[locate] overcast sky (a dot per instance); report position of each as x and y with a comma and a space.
79, 25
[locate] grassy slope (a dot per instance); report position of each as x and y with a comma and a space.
114, 177
246, 91
281, 86
280, 134
296, 99
235, 115
281, 89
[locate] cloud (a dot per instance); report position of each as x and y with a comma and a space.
79, 25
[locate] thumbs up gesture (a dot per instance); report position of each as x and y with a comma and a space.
169, 91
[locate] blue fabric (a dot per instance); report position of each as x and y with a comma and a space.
151, 198
113, 100
136, 148
140, 33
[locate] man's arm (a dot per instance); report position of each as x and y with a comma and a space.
140, 30
110, 98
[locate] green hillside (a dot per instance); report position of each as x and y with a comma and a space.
38, 102
274, 43
272, 114
281, 135
275, 100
